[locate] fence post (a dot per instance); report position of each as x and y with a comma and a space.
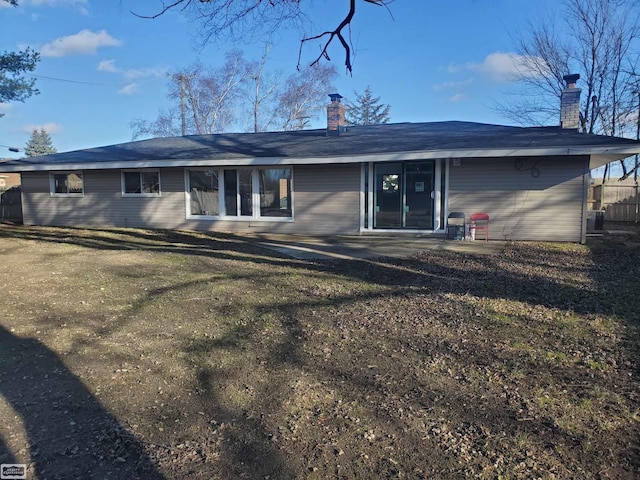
636, 203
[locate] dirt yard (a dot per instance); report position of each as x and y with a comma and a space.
135, 354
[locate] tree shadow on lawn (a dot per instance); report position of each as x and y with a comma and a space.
70, 434
441, 271
540, 280
491, 415
248, 451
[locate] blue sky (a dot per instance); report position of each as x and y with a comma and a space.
102, 67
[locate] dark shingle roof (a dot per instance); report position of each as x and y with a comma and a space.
450, 136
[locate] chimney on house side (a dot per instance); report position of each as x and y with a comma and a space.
570, 103
335, 115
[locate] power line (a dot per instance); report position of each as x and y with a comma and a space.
44, 77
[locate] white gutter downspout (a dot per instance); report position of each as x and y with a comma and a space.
586, 177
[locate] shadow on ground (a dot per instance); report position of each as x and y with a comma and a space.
493, 395
69, 433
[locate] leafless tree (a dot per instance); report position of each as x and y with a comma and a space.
543, 61
600, 42
303, 96
205, 100
167, 124
260, 92
208, 100
258, 19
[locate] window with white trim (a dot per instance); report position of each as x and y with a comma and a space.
241, 193
67, 184
141, 182
204, 193
275, 192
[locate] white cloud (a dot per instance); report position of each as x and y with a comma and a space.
50, 127
499, 66
503, 67
83, 42
5, 107
128, 89
107, 66
457, 68
453, 85
132, 74
458, 97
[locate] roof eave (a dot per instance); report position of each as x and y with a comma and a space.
599, 156
600, 159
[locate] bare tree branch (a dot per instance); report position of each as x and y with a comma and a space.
601, 45
253, 19
337, 33
303, 96
164, 10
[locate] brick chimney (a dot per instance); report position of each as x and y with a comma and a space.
335, 115
570, 103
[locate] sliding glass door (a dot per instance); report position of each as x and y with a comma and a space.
388, 196
403, 195
418, 195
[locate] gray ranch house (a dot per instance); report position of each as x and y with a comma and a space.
392, 178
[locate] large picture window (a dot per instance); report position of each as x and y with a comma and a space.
67, 184
141, 182
243, 193
205, 193
275, 192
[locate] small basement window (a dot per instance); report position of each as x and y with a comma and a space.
67, 184
141, 182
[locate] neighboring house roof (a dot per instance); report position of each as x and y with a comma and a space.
387, 142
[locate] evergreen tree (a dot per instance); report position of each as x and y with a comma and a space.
39, 144
367, 110
14, 86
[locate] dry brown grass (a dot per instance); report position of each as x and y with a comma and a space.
140, 354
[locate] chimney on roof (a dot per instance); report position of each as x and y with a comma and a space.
335, 115
570, 103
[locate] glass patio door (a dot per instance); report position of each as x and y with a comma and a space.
388, 196
403, 195
418, 202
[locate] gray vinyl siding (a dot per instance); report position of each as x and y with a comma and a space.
523, 206
325, 201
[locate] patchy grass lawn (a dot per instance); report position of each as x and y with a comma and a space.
143, 354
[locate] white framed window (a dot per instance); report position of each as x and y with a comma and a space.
275, 192
145, 183
66, 184
240, 193
204, 193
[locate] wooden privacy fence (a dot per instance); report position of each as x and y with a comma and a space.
11, 205
620, 202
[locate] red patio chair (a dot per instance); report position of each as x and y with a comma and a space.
479, 222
